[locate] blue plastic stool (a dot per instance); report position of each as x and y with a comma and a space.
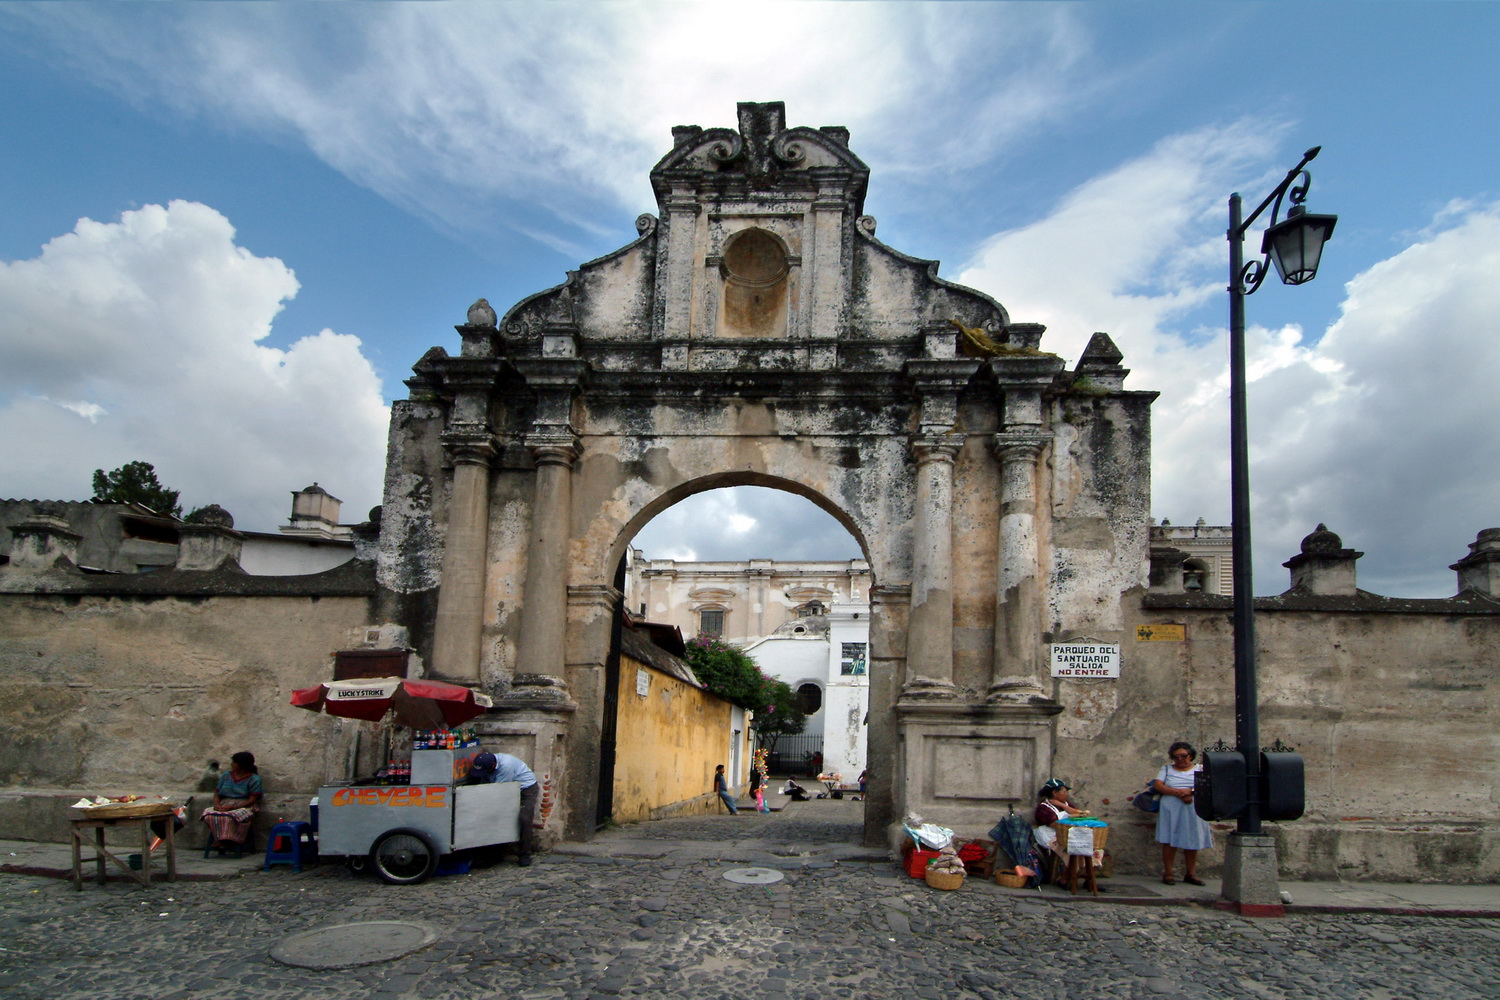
290, 844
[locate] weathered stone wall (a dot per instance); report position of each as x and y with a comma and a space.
133, 693
757, 333
1391, 703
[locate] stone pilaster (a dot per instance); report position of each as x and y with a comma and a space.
1017, 670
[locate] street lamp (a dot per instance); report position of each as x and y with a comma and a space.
1294, 245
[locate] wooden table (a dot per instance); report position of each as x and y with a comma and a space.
109, 818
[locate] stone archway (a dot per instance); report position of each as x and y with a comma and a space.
757, 332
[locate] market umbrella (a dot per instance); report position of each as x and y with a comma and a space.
417, 703
1013, 834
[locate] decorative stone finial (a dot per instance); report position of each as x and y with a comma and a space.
1322, 542
214, 516
481, 314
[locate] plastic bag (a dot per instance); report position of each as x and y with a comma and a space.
934, 837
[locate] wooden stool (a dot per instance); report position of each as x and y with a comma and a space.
1087, 864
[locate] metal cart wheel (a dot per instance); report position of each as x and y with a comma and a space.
403, 857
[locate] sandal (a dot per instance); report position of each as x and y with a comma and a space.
1193, 880
1168, 880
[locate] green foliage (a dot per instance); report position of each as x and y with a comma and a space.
727, 671
136, 482
781, 715
732, 674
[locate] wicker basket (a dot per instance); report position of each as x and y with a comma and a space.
1010, 880
1101, 835
944, 880
125, 810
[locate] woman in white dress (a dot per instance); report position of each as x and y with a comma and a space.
1178, 827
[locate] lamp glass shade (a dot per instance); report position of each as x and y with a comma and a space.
1296, 244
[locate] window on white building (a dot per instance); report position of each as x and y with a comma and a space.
711, 621
852, 658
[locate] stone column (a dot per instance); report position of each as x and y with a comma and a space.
541, 653
540, 676
929, 648
460, 612
1017, 671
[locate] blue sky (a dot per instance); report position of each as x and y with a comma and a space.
287, 204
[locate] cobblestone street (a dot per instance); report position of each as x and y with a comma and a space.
666, 923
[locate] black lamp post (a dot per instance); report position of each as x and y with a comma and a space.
1295, 245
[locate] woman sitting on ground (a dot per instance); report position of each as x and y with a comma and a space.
236, 800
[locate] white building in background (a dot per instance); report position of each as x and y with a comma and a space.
1207, 554
825, 659
311, 541
805, 623
739, 600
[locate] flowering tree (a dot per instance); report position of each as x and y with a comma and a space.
732, 674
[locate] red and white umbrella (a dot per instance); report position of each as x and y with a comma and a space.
417, 703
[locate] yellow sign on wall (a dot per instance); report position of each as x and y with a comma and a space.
1161, 632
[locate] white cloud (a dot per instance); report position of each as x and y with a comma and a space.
451, 110
1382, 426
138, 339
746, 522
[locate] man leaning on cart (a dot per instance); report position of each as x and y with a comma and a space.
489, 767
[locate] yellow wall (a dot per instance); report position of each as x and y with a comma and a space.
667, 744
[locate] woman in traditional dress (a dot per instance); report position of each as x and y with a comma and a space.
1178, 826
1053, 805
236, 800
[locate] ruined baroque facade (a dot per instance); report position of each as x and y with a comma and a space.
757, 332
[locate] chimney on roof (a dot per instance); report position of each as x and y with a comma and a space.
315, 514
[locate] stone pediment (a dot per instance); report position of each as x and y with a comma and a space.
718, 594
763, 155
759, 262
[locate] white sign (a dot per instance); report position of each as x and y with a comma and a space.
1085, 659
642, 683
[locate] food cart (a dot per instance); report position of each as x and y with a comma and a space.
400, 825
401, 830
